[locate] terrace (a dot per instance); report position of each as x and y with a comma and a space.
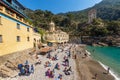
15, 5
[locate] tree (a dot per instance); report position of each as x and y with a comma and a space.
98, 31
114, 27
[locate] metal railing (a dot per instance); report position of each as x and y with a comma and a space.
13, 7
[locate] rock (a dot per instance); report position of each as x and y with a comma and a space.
7, 72
8, 68
10, 65
102, 44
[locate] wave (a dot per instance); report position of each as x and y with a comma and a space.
88, 52
111, 71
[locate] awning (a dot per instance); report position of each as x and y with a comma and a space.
52, 41
45, 50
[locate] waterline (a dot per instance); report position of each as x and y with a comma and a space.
112, 72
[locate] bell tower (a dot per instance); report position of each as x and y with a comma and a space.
52, 27
92, 14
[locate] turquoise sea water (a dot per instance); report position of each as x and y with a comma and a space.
109, 56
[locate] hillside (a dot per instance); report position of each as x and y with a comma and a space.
75, 22
106, 10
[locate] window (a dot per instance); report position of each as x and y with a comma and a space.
0, 20
18, 38
28, 38
34, 40
10, 1
18, 26
1, 39
28, 29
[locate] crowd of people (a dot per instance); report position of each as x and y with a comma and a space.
55, 65
66, 70
25, 69
54, 68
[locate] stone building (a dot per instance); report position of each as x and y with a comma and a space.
36, 40
92, 14
56, 36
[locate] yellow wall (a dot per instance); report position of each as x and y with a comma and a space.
9, 32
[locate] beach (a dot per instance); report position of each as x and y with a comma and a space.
83, 66
87, 67
107, 57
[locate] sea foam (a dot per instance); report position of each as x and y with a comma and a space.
105, 67
88, 52
111, 71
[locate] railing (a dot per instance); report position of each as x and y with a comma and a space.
13, 15
16, 9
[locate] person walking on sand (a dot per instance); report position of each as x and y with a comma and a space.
108, 70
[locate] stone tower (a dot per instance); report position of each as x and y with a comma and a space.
92, 14
52, 27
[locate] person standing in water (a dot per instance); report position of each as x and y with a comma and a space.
93, 50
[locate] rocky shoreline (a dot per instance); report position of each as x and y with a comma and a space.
102, 41
97, 41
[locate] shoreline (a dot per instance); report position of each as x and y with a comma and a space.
88, 67
105, 67
111, 71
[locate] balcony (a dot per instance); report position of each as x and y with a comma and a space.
15, 8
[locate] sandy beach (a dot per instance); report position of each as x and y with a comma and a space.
83, 68
87, 68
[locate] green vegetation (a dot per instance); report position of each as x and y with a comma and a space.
42, 32
75, 23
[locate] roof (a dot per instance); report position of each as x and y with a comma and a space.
46, 49
52, 41
6, 4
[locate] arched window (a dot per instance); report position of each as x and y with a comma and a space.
28, 38
1, 39
34, 40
